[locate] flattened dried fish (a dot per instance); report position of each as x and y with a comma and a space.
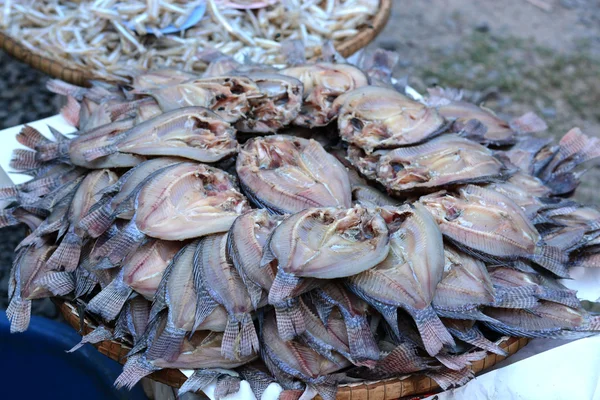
247, 237
373, 117
409, 275
323, 83
190, 132
286, 174
493, 227
446, 160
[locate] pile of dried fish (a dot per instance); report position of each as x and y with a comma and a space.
113, 37
371, 235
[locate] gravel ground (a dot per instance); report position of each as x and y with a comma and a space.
512, 55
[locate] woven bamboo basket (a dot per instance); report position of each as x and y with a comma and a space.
80, 77
380, 390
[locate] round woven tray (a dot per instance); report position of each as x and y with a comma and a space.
80, 77
381, 390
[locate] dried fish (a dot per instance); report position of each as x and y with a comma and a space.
373, 117
286, 174
409, 275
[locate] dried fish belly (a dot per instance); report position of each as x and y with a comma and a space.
286, 174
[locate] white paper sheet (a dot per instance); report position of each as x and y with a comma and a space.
544, 369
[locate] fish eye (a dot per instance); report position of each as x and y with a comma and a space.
357, 124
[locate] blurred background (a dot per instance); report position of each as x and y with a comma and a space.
514, 56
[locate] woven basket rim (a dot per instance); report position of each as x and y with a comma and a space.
78, 76
385, 389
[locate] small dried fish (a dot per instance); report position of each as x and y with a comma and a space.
286, 174
373, 117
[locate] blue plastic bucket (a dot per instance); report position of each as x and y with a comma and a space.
34, 364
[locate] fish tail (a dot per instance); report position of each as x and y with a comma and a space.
249, 341
24, 160
432, 330
516, 297
230, 336
70, 111
98, 220
446, 378
7, 217
226, 385
403, 359
136, 367
18, 313
100, 334
109, 302
121, 244
85, 282
257, 379
363, 348
59, 283
66, 89
31, 137
98, 152
528, 123
290, 321
566, 297
67, 254
552, 258
167, 345
457, 362
283, 287
290, 394
327, 391
198, 381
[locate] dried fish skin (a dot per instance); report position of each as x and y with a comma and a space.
443, 161
246, 240
227, 96
278, 106
373, 117
143, 268
465, 285
286, 174
188, 200
216, 277
409, 275
323, 83
329, 243
492, 226
195, 133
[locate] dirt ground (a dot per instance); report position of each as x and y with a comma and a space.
513, 55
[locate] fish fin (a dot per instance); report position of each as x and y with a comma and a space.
117, 247
473, 129
98, 220
390, 314
290, 321
199, 380
7, 218
24, 160
528, 123
566, 297
245, 338
31, 137
363, 348
58, 136
327, 390
432, 330
99, 152
553, 259
475, 337
66, 89
167, 345
109, 302
403, 359
205, 304
59, 283
257, 379
562, 184
324, 309
460, 361
330, 54
447, 378
67, 254
474, 314
516, 297
293, 51
85, 282
100, 334
226, 385
18, 313
136, 368
70, 111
